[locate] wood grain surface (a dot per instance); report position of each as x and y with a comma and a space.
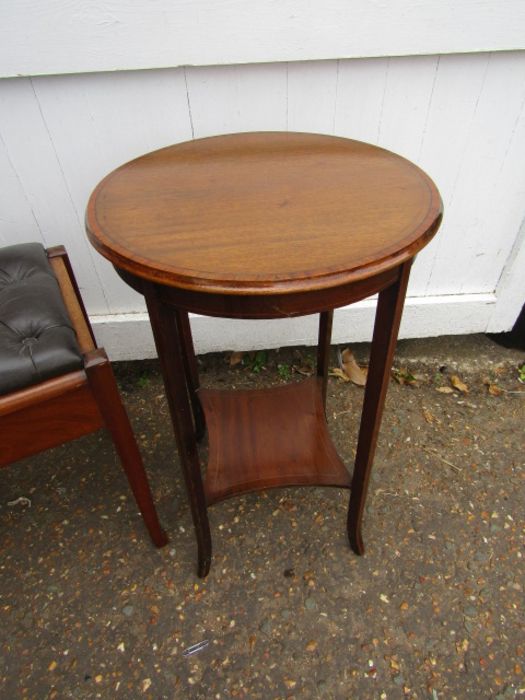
268, 438
261, 213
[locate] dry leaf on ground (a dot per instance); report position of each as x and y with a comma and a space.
235, 358
458, 384
495, 390
430, 417
351, 368
336, 372
404, 377
305, 370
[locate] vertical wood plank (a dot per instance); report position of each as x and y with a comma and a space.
486, 204
408, 92
18, 222
312, 94
360, 95
457, 86
34, 159
96, 123
237, 98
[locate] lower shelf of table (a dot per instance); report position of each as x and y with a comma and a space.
266, 438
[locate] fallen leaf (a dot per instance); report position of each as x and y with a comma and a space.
458, 384
235, 358
289, 683
494, 390
351, 368
311, 646
336, 372
52, 666
146, 684
445, 389
305, 370
430, 417
384, 598
404, 376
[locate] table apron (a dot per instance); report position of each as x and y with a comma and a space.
264, 306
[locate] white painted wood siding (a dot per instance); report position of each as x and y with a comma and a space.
461, 117
40, 37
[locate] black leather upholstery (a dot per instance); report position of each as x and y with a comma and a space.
37, 340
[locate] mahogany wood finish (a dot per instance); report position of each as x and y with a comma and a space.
75, 404
263, 213
386, 327
171, 350
269, 437
265, 225
323, 349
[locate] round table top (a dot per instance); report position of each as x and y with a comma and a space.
263, 213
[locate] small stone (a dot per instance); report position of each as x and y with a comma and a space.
289, 573
266, 627
399, 680
469, 626
310, 604
286, 614
128, 610
146, 684
482, 556
470, 611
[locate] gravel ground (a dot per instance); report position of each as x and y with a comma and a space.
435, 608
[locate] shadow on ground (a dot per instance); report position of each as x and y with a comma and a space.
435, 608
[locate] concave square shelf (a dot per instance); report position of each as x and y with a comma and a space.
265, 438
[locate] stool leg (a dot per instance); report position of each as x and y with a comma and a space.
171, 350
386, 328
323, 348
104, 387
191, 371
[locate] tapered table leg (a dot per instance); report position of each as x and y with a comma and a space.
191, 371
323, 348
386, 328
172, 352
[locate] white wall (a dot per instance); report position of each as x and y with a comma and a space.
76, 36
461, 117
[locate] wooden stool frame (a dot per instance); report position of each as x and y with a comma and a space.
77, 403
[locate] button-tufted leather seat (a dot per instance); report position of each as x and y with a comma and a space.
55, 383
37, 340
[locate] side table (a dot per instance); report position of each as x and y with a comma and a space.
265, 225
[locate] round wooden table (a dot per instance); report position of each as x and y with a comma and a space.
265, 225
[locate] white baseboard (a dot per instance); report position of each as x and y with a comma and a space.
129, 337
